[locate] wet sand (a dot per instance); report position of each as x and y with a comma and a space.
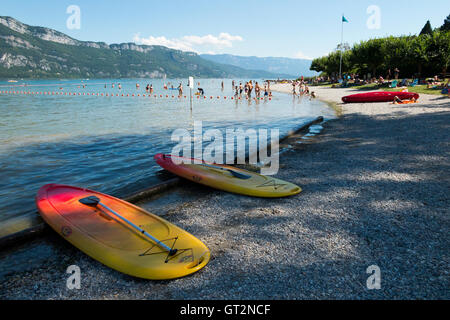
375, 192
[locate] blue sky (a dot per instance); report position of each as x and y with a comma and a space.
291, 28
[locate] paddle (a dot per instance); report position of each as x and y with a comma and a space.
93, 201
234, 173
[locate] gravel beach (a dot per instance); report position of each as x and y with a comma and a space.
375, 192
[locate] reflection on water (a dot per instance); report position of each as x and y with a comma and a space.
108, 143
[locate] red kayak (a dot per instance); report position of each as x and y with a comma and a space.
379, 96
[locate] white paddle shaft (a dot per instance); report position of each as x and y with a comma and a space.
142, 231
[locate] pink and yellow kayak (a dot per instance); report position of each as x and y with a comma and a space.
120, 235
229, 178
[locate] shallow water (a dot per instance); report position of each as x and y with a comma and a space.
108, 143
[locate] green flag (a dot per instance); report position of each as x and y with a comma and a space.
343, 19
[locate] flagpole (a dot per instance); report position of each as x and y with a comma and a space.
342, 41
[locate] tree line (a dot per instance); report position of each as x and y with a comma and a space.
427, 54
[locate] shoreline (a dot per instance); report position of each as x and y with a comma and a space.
332, 102
375, 192
29, 225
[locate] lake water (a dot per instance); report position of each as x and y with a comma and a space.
107, 143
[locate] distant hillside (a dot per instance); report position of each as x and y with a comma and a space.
37, 52
280, 66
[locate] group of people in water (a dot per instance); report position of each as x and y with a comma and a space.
303, 89
243, 89
239, 90
248, 88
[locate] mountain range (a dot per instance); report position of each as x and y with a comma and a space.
289, 66
38, 52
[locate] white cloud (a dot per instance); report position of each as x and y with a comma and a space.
301, 55
191, 43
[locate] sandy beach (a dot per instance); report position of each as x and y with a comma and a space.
375, 192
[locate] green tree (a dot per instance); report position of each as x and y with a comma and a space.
439, 50
319, 64
368, 56
419, 50
446, 25
330, 64
426, 29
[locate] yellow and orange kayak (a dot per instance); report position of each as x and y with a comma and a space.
229, 178
120, 235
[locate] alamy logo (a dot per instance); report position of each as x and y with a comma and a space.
74, 280
374, 21
214, 151
74, 20
374, 281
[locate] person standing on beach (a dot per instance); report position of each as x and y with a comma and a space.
241, 88
120, 86
293, 87
180, 90
250, 88
151, 88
